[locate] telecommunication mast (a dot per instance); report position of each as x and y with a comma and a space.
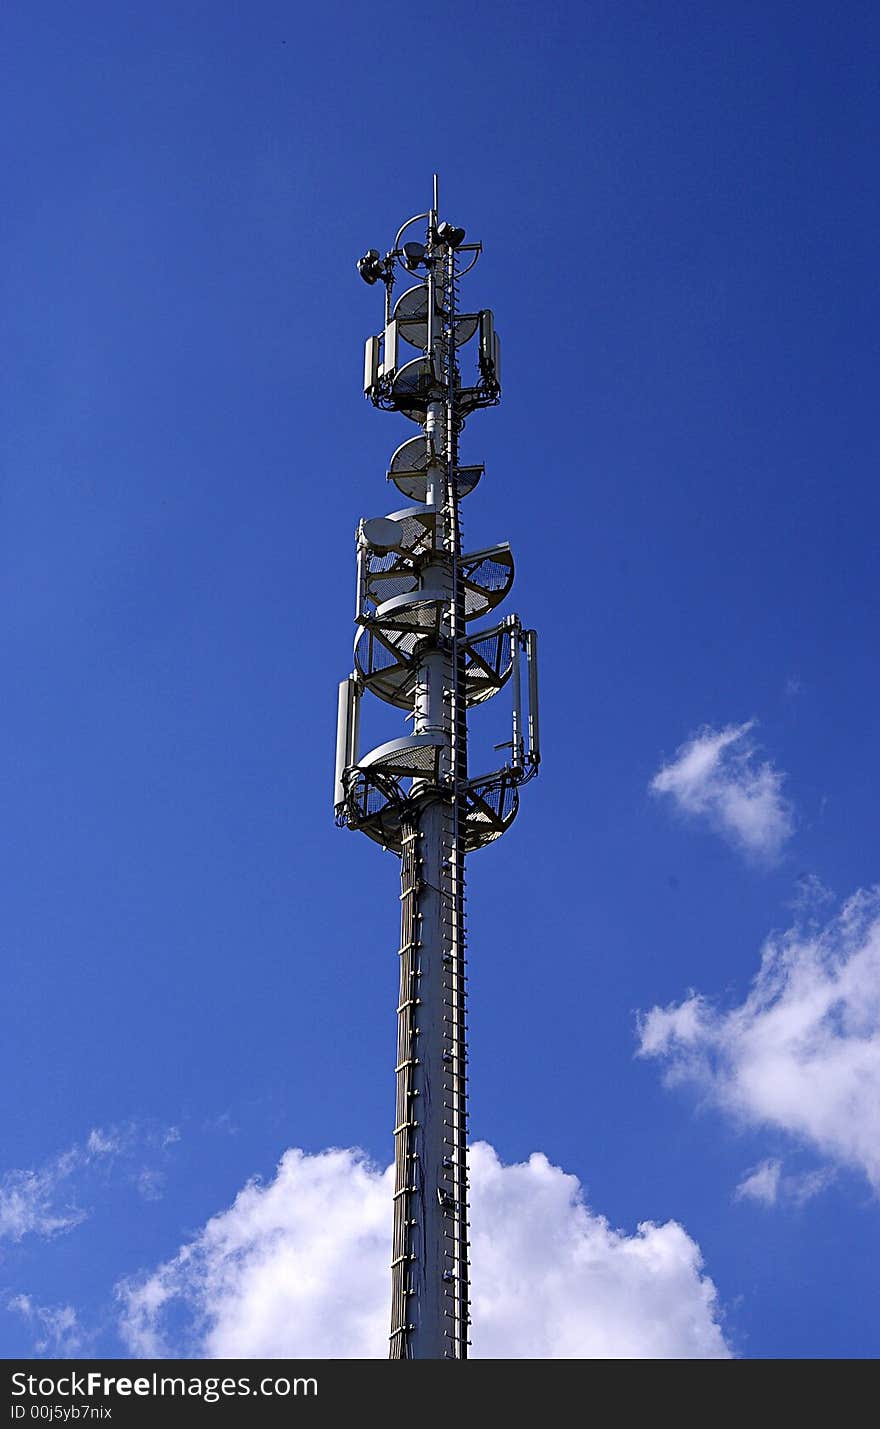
419, 593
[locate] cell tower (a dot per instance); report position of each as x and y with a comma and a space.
418, 593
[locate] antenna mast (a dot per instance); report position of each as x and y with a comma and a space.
415, 647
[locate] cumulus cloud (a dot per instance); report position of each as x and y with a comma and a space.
57, 1327
802, 1051
299, 1267
717, 775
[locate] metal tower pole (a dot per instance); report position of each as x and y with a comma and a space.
417, 591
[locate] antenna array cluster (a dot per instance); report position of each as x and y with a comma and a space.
419, 595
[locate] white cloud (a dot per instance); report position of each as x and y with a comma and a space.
299, 1267
150, 1183
41, 1202
767, 1185
808, 1184
810, 895
102, 1143
716, 775
27, 1206
44, 1201
761, 1184
57, 1327
802, 1052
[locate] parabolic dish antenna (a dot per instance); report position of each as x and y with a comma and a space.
381, 533
411, 386
411, 312
409, 471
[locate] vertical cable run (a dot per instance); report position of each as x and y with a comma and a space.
455, 1057
405, 1124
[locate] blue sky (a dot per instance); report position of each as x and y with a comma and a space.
679, 209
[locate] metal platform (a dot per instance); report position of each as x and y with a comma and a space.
378, 805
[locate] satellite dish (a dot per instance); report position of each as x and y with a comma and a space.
411, 312
381, 534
